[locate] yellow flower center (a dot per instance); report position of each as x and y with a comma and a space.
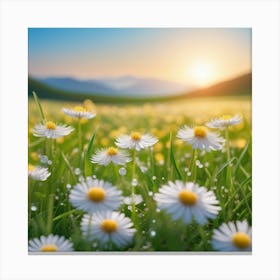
79, 109
96, 194
188, 198
49, 248
50, 125
241, 240
109, 226
200, 131
31, 167
136, 136
112, 151
226, 117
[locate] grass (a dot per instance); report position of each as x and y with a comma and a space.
170, 159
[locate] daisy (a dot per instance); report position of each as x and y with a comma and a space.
224, 121
95, 195
50, 243
51, 130
233, 237
105, 156
108, 227
136, 141
187, 200
200, 138
79, 112
38, 173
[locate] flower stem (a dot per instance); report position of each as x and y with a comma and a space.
80, 143
193, 166
229, 175
133, 212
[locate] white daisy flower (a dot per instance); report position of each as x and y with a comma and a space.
233, 237
38, 173
136, 141
50, 243
95, 195
137, 199
108, 227
51, 130
200, 138
187, 200
105, 156
79, 112
224, 121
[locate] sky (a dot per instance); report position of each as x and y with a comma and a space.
189, 56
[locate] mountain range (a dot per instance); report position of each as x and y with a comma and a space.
239, 86
120, 86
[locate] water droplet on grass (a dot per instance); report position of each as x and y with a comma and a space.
189, 174
153, 221
134, 182
150, 193
43, 159
77, 171
154, 178
153, 233
33, 208
122, 171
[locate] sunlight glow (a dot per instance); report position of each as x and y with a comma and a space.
202, 73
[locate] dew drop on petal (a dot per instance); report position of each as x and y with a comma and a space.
122, 171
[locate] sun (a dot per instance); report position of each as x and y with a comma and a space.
202, 73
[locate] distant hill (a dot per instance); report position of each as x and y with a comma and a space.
119, 86
240, 86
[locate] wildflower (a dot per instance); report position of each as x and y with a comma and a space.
224, 121
95, 195
136, 141
79, 112
233, 237
50, 243
187, 200
38, 173
200, 138
51, 130
105, 156
108, 227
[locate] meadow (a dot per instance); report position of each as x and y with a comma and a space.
226, 172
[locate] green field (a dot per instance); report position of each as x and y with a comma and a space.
49, 209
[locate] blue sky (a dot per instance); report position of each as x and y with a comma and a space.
189, 56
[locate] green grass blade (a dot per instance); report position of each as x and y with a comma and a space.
225, 165
241, 157
87, 163
38, 103
172, 159
69, 166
